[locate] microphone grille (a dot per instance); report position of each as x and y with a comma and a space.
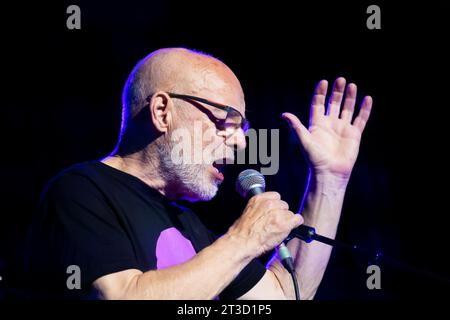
249, 179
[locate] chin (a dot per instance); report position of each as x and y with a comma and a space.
195, 197
203, 190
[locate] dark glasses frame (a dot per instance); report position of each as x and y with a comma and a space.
244, 125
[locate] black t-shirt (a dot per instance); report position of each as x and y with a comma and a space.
102, 220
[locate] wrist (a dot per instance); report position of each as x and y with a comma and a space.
237, 244
323, 199
328, 180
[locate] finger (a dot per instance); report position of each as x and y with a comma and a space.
282, 217
283, 205
349, 103
290, 219
275, 204
262, 197
297, 220
364, 113
318, 102
334, 103
269, 195
297, 126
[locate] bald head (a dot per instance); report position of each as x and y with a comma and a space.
178, 70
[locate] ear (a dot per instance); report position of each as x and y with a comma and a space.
160, 111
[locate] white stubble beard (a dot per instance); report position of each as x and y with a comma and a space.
192, 181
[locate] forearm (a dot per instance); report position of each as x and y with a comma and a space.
202, 277
321, 209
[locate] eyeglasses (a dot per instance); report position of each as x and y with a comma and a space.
233, 120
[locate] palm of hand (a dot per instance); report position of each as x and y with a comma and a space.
331, 143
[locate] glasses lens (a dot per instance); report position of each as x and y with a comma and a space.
245, 125
234, 121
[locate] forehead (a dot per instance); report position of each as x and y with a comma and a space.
217, 83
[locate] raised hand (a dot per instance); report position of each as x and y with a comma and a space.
331, 143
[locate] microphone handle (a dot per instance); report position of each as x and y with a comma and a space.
283, 252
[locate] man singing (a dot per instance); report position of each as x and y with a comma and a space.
115, 220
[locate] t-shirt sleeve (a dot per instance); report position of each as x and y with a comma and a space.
79, 228
245, 280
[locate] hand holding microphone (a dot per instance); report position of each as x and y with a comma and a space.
271, 215
266, 220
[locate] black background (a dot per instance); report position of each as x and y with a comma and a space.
61, 105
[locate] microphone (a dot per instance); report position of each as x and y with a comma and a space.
249, 183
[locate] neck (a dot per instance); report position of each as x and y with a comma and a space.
143, 165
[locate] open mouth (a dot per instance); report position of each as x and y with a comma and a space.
220, 164
218, 167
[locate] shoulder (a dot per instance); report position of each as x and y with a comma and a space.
78, 180
75, 194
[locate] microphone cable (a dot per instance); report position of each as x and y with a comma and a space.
288, 264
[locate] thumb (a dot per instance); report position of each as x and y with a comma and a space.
299, 128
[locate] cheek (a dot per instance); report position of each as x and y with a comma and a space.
200, 141
207, 140
211, 150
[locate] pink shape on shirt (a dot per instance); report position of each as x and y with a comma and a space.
172, 248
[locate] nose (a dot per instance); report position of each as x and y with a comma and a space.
237, 140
